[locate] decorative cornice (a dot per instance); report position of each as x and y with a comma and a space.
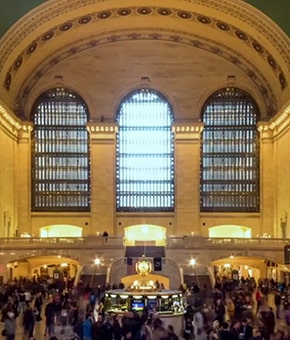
173, 13
280, 124
277, 126
53, 9
102, 131
187, 130
8, 123
254, 18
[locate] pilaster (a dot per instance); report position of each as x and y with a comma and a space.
187, 177
268, 189
23, 180
103, 146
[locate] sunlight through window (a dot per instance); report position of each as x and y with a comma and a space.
145, 153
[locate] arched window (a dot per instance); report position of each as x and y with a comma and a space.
60, 153
145, 153
230, 153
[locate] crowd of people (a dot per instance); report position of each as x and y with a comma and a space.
232, 310
238, 310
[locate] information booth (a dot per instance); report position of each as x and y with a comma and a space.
145, 294
167, 303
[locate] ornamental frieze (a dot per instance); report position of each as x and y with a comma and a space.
173, 13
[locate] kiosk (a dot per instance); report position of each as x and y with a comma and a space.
143, 294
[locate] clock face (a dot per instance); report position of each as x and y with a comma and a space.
143, 267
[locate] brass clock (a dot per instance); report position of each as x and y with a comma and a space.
143, 267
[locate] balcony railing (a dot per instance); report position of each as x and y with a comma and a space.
175, 242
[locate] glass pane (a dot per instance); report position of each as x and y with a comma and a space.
60, 153
145, 153
230, 153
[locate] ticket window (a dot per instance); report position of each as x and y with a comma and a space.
164, 303
176, 303
137, 304
152, 304
113, 302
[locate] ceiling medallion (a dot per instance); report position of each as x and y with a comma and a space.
85, 20
31, 48
66, 26
104, 15
223, 26
241, 35
164, 11
144, 10
184, 14
47, 36
203, 19
124, 11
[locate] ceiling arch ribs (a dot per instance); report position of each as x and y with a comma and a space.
53, 27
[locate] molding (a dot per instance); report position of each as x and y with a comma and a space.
12, 126
102, 131
187, 131
280, 124
94, 18
277, 127
54, 9
193, 40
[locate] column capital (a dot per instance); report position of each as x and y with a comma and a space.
102, 131
187, 130
266, 133
24, 133
8, 122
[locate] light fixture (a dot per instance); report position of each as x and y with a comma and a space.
97, 261
192, 262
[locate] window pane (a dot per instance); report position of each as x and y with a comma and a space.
145, 153
60, 153
230, 153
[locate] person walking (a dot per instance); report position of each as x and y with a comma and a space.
28, 322
278, 302
87, 328
10, 325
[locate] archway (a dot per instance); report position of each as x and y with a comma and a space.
56, 267
230, 231
145, 233
61, 230
248, 267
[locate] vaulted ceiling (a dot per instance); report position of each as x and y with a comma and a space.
13, 10
104, 49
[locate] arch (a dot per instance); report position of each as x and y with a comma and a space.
223, 27
43, 266
248, 266
230, 231
145, 233
61, 230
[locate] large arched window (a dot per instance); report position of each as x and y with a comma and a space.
60, 153
145, 153
230, 153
